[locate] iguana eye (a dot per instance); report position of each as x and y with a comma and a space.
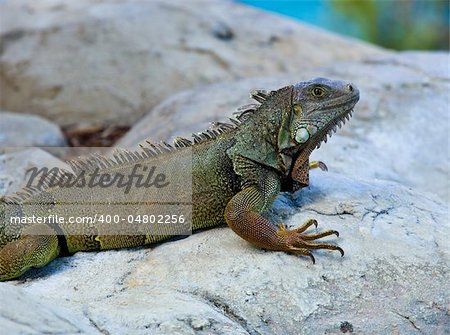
318, 91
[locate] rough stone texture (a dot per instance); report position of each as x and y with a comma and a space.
394, 277
110, 62
23, 313
33, 130
399, 130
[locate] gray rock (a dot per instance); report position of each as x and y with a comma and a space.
110, 62
394, 277
401, 125
26, 130
14, 165
192, 111
399, 130
23, 313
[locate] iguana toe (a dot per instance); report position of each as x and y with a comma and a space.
318, 164
298, 242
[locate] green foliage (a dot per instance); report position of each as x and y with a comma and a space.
399, 24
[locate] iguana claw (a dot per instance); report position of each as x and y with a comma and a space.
296, 241
318, 164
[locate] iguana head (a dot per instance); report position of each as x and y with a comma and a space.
290, 123
319, 107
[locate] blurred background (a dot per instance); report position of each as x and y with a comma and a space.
394, 24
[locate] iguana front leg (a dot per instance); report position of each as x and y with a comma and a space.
37, 247
243, 215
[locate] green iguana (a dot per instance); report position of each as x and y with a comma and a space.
237, 171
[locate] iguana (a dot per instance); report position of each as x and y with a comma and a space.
238, 169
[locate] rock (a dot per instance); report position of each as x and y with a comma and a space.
397, 132
14, 165
34, 131
394, 277
192, 111
110, 62
27, 314
402, 121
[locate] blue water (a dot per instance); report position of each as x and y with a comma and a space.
316, 12
311, 11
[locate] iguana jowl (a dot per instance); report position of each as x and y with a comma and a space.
237, 171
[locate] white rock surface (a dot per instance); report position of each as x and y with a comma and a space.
399, 130
402, 123
15, 164
23, 313
394, 277
111, 61
34, 131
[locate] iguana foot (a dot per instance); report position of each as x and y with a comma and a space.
318, 164
296, 241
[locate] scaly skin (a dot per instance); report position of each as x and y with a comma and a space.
237, 171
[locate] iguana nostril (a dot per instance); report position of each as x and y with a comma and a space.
350, 87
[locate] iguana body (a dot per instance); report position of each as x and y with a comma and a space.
237, 171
